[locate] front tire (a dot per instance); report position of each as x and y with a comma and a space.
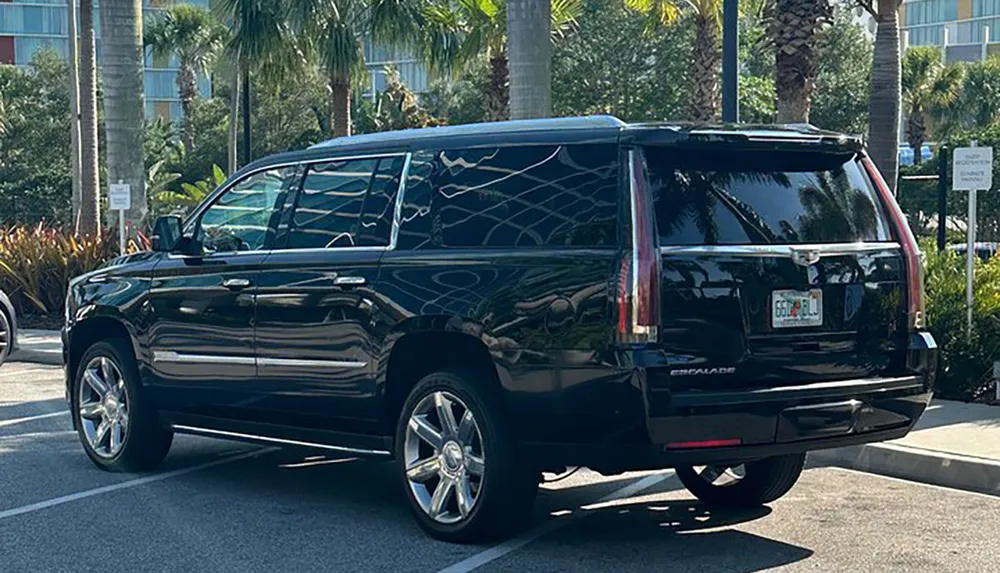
458, 463
745, 485
117, 425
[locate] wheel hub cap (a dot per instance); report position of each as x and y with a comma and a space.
451, 455
103, 403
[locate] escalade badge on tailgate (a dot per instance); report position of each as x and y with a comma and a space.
704, 371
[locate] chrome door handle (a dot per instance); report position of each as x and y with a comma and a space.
236, 284
349, 281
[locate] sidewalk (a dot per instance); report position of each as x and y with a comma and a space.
953, 445
38, 346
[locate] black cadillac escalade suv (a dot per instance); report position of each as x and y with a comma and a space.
483, 303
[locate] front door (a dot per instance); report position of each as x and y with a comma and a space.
201, 306
317, 335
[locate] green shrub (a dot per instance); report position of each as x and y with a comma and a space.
966, 362
37, 263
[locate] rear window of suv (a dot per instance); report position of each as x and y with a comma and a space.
724, 197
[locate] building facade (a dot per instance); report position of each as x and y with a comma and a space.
966, 22
27, 26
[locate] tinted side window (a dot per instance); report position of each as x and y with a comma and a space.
516, 196
379, 206
328, 208
754, 197
240, 218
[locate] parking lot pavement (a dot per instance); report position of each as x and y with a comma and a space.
219, 507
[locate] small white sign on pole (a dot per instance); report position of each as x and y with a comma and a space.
972, 172
120, 199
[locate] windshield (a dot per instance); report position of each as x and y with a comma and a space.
762, 197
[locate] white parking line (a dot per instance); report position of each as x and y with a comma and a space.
5, 423
498, 551
127, 484
5, 372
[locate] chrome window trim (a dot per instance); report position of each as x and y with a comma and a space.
823, 249
178, 358
397, 213
304, 163
281, 441
303, 363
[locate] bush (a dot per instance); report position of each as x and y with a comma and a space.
966, 363
37, 263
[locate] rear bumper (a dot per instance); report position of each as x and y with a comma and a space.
692, 428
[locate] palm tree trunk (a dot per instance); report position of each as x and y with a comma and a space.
883, 105
706, 57
232, 139
529, 45
121, 67
247, 147
340, 88
74, 113
795, 30
90, 190
187, 88
916, 134
498, 93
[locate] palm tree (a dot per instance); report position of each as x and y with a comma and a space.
530, 47
706, 53
195, 38
259, 41
90, 205
456, 35
794, 29
883, 103
929, 90
121, 68
979, 103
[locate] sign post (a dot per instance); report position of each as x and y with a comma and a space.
973, 171
120, 199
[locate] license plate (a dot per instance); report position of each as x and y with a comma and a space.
793, 308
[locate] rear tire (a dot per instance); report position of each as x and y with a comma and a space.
487, 490
762, 482
117, 424
7, 336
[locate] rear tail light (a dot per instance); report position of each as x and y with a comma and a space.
914, 265
639, 273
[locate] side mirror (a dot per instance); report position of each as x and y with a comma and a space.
167, 233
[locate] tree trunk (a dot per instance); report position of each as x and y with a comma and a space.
916, 134
340, 88
497, 93
187, 88
529, 46
247, 148
74, 114
795, 31
90, 187
232, 139
703, 102
121, 67
883, 107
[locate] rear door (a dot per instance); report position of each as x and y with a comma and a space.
778, 268
316, 335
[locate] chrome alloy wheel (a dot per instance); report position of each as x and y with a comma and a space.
721, 475
104, 407
6, 338
444, 457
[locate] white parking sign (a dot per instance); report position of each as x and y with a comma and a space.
973, 169
119, 196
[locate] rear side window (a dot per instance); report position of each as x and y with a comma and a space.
345, 204
531, 196
762, 197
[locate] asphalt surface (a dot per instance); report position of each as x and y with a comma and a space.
263, 509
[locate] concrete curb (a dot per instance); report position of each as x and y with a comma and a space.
917, 464
36, 356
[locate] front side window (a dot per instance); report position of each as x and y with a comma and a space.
240, 218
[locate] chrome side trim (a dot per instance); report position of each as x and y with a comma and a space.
282, 441
295, 362
790, 251
178, 358
397, 213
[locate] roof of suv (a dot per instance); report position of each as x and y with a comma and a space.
563, 130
